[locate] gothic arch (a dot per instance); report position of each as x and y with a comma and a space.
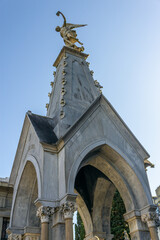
28, 189
84, 213
115, 166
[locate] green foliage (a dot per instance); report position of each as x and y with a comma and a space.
79, 228
118, 225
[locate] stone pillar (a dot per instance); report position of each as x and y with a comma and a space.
138, 230
44, 214
68, 209
150, 219
58, 224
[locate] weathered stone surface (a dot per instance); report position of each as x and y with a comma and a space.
56, 156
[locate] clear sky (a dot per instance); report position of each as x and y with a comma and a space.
123, 40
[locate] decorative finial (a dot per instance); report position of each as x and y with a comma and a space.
52, 83
69, 36
47, 106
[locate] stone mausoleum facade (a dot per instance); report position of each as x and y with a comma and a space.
75, 158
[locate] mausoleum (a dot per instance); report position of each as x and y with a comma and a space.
75, 157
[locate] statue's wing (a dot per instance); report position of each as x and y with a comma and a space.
71, 26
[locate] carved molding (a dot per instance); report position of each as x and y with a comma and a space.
31, 237
44, 213
15, 237
68, 209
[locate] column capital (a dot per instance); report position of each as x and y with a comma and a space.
15, 236
68, 209
150, 218
44, 213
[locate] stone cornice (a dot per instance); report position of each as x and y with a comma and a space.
71, 51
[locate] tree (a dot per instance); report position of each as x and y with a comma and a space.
79, 228
118, 224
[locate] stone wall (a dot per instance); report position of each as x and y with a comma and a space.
6, 193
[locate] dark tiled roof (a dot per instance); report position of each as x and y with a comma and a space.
44, 128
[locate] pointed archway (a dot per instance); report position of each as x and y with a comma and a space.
24, 220
98, 175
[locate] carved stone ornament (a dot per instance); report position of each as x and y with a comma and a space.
44, 213
62, 114
15, 237
52, 83
68, 209
31, 237
150, 218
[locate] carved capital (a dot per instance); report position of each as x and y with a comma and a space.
31, 237
68, 209
44, 213
150, 218
15, 237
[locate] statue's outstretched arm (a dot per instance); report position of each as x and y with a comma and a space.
58, 13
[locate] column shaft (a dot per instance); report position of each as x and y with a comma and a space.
153, 233
44, 231
69, 229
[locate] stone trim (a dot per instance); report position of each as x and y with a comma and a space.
132, 215
30, 236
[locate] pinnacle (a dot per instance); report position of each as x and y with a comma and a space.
73, 89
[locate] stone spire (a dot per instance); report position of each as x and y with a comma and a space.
73, 89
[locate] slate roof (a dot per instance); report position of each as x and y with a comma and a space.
44, 128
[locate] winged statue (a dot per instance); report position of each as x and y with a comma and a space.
68, 34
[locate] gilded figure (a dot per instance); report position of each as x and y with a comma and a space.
68, 34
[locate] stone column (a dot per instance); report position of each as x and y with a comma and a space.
44, 214
58, 224
150, 219
138, 229
68, 209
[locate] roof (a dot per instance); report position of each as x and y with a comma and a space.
123, 128
44, 128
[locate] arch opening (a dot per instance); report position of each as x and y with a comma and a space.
100, 173
24, 211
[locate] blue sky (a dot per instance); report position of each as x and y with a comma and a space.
123, 40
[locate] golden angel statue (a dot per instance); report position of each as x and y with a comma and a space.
69, 36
